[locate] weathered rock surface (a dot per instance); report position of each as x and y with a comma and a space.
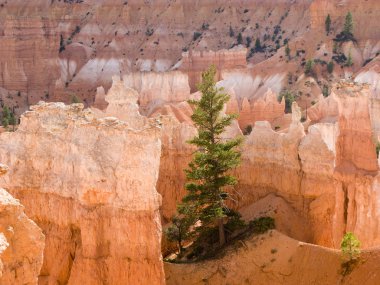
273, 258
53, 49
96, 181
195, 62
21, 242
328, 175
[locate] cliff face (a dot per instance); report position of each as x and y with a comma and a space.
176, 130
326, 175
96, 181
320, 177
21, 242
51, 50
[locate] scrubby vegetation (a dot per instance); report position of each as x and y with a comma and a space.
247, 130
206, 245
289, 99
350, 247
8, 118
328, 24
347, 32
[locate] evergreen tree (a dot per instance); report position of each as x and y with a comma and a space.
309, 67
180, 229
348, 25
207, 173
232, 34
330, 67
325, 91
6, 116
328, 24
12, 120
349, 61
350, 246
75, 99
239, 39
249, 40
287, 51
257, 45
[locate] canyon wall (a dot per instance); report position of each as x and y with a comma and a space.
21, 242
96, 182
195, 62
329, 175
319, 177
53, 50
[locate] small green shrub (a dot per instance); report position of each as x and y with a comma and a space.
247, 130
239, 39
262, 225
232, 33
377, 149
350, 247
196, 35
309, 67
330, 67
75, 100
325, 91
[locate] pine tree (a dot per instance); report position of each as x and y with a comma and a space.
287, 51
6, 116
239, 39
12, 120
350, 246
257, 45
328, 24
207, 173
232, 33
180, 229
309, 67
249, 40
348, 25
75, 100
349, 61
330, 67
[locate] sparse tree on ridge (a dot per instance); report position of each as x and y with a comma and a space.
328, 24
348, 25
208, 171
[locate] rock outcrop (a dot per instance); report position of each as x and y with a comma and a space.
195, 62
90, 184
176, 129
21, 242
276, 259
156, 89
329, 175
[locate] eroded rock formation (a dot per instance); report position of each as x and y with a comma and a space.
328, 175
21, 242
90, 185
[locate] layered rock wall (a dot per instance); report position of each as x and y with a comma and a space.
21, 242
328, 175
96, 181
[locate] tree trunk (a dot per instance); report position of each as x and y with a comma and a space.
222, 237
179, 248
